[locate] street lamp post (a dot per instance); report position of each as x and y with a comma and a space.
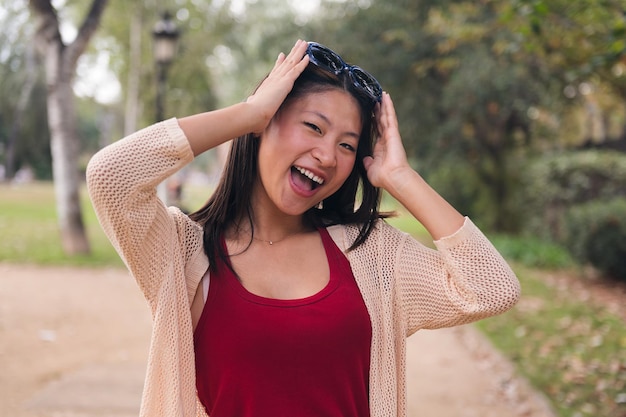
165, 37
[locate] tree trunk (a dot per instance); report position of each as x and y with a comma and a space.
60, 66
65, 148
134, 72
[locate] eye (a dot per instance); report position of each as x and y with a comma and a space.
348, 147
313, 127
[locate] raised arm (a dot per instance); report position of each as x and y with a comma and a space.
389, 168
255, 113
122, 178
465, 279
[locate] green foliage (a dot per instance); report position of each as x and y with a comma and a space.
24, 137
189, 86
580, 39
478, 86
457, 181
32, 147
30, 233
569, 348
460, 182
461, 88
596, 233
554, 183
533, 252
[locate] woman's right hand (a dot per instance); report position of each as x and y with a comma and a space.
271, 93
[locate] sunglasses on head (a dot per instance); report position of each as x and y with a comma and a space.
329, 60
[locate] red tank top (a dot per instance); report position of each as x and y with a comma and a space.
307, 357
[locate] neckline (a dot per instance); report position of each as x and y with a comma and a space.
331, 285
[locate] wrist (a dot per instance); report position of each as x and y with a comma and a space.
399, 180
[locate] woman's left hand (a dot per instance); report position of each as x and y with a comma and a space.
389, 169
388, 162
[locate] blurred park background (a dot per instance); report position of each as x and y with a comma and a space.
515, 110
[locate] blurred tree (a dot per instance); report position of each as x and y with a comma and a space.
582, 41
462, 87
126, 36
490, 92
24, 140
248, 37
60, 60
475, 85
225, 48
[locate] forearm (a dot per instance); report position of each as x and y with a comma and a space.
424, 203
205, 131
465, 279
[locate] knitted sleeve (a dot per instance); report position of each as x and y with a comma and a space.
464, 280
122, 180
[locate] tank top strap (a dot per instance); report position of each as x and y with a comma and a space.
336, 257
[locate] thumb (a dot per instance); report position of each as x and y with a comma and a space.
367, 162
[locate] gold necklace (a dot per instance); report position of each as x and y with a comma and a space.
271, 242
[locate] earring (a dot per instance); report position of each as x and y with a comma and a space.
320, 205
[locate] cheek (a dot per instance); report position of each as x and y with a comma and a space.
270, 153
346, 166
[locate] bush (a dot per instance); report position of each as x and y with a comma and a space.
532, 252
596, 233
554, 183
460, 183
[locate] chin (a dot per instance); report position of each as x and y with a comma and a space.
293, 210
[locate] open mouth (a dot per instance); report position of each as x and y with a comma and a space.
305, 179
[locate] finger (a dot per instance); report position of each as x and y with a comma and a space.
293, 60
300, 66
298, 50
367, 162
389, 118
381, 117
279, 60
297, 60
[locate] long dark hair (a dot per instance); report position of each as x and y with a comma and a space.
356, 202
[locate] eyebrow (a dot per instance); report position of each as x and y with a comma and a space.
327, 120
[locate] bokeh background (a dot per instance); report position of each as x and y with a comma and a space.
513, 109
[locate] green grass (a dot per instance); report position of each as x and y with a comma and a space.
408, 224
569, 347
30, 234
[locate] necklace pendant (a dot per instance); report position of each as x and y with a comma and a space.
271, 243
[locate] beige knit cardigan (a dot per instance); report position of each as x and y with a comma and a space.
405, 286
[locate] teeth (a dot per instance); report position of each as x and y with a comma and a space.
310, 175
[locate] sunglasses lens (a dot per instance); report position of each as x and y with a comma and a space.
368, 83
326, 58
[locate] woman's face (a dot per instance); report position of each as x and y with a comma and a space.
308, 151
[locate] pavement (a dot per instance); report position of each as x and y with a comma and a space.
73, 343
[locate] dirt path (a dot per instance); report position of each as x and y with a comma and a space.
73, 343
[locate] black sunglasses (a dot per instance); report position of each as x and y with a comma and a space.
329, 60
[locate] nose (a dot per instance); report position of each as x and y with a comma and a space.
324, 152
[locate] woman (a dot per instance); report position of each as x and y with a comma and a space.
288, 294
